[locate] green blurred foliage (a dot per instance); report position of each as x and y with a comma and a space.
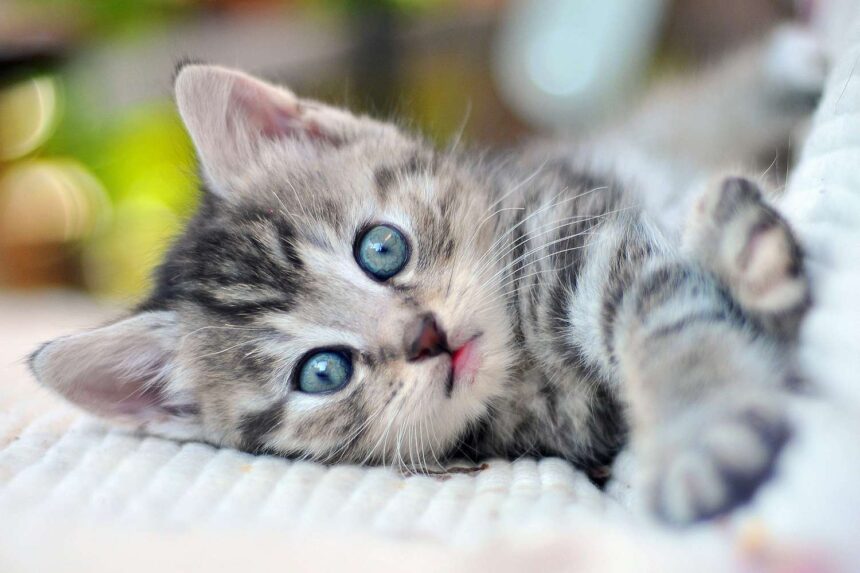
119, 17
145, 161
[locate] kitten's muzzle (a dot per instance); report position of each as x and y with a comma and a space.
425, 338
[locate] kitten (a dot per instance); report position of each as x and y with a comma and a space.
348, 293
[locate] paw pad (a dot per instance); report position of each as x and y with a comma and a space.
719, 467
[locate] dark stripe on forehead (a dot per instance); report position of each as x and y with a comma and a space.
287, 240
384, 178
252, 362
386, 175
237, 263
420, 163
255, 427
239, 311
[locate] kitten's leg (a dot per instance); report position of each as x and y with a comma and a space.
736, 235
705, 388
742, 108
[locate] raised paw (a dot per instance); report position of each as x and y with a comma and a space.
710, 464
795, 67
735, 234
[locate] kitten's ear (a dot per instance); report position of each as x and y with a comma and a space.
232, 116
125, 372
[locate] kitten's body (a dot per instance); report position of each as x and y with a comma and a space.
582, 314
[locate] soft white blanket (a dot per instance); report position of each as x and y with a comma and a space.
78, 496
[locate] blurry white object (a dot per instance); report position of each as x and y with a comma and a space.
834, 21
564, 63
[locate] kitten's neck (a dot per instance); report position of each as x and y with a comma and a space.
548, 210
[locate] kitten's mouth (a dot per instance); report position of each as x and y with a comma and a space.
465, 362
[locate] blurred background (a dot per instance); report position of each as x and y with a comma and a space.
97, 173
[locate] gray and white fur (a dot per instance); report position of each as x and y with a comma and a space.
594, 321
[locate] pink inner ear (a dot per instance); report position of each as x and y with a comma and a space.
107, 392
122, 370
115, 399
274, 115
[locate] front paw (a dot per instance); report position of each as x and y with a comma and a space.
737, 235
713, 461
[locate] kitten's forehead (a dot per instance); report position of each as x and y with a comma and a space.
329, 199
332, 198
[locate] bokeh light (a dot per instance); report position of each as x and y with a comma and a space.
119, 264
28, 114
50, 201
147, 153
565, 64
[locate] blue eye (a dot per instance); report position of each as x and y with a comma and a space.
382, 252
325, 371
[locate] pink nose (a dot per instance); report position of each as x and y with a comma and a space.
424, 339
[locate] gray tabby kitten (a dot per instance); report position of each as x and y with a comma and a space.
348, 293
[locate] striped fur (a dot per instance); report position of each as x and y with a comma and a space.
593, 323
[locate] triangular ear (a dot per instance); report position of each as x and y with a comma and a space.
125, 372
234, 118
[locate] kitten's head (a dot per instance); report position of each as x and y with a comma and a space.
331, 298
